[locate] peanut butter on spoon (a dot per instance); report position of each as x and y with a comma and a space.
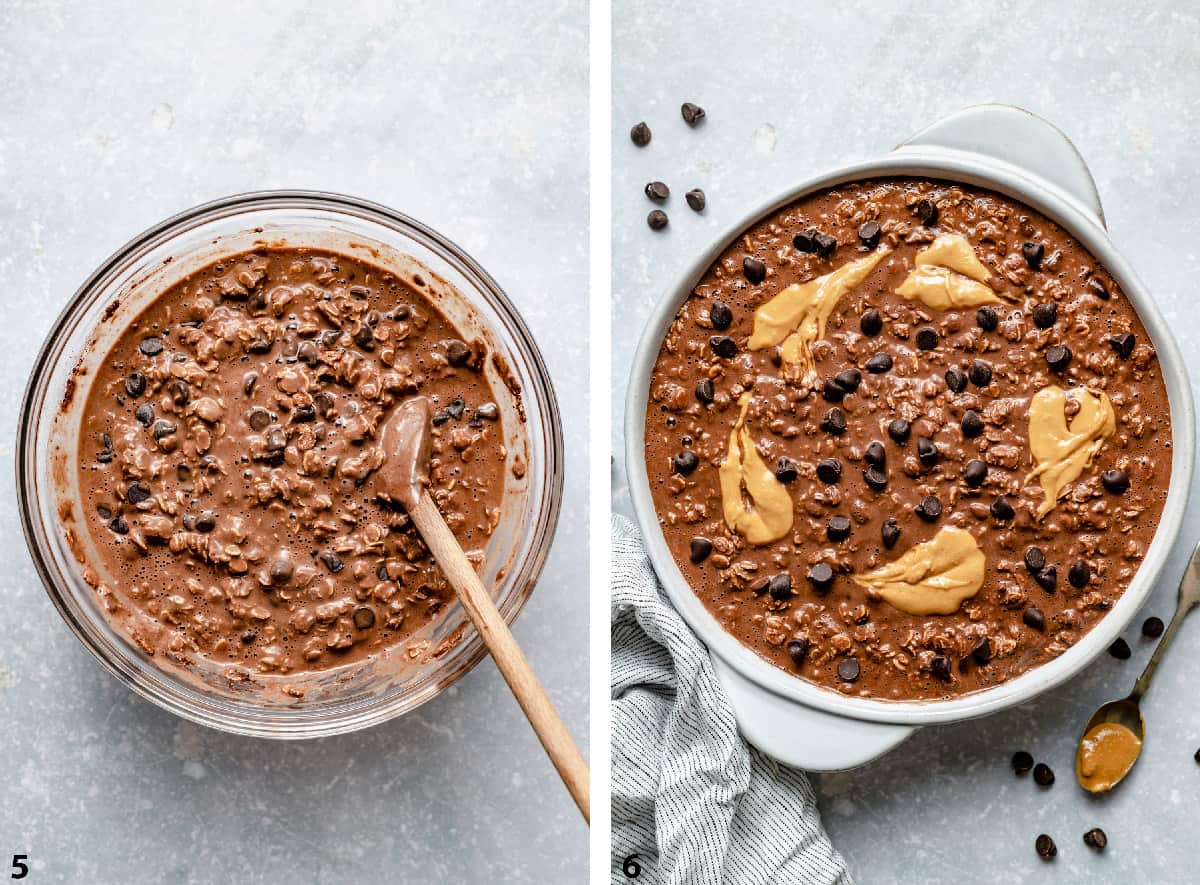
1112, 740
403, 477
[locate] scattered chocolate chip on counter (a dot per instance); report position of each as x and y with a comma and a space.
1045, 847
640, 134
692, 114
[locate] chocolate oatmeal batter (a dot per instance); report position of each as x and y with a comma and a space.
227, 453
907, 439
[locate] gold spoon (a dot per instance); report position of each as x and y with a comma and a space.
1112, 740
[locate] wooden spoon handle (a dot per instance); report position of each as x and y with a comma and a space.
505, 652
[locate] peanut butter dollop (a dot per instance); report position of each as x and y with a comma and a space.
948, 275
769, 515
1061, 454
1105, 754
797, 315
932, 578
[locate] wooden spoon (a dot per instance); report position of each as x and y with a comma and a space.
404, 478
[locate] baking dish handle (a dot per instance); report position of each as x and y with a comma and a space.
800, 736
1020, 140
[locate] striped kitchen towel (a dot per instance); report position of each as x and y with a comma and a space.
692, 803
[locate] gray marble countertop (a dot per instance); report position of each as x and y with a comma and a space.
113, 118
790, 91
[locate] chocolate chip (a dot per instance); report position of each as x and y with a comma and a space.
797, 650
281, 571
1098, 289
276, 440
118, 525
826, 245
980, 373
1123, 345
875, 454
927, 212
1045, 315
786, 470
1152, 628
1120, 649
890, 533
930, 508
848, 670
1115, 481
440, 417
640, 134
1058, 357
695, 199
987, 319
1002, 510
879, 364
205, 522
837, 529
258, 418
869, 233
260, 345
456, 408
685, 462
308, 353
848, 379
1022, 762
1047, 578
304, 414
956, 380
829, 471
875, 478
1079, 574
940, 667
972, 424
927, 452
249, 380
137, 493
657, 219
1033, 253
1043, 775
657, 191
720, 315
975, 473
144, 414
780, 587
871, 322
692, 113
834, 421
364, 617
821, 577
1045, 847
927, 338
832, 392
179, 393
332, 561
164, 428
1034, 618
754, 269
982, 653
806, 242
151, 346
705, 392
723, 346
249, 636
899, 430
701, 548
103, 512
135, 384
1035, 559
457, 352
1095, 838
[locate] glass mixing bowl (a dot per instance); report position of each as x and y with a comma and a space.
336, 700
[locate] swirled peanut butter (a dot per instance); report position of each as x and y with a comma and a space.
228, 446
933, 578
796, 317
1062, 453
879, 348
767, 516
1105, 755
948, 275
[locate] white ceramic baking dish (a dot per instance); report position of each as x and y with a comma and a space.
1016, 153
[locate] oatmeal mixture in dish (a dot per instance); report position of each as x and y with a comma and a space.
226, 460
907, 439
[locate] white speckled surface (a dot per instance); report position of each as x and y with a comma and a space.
112, 118
790, 91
